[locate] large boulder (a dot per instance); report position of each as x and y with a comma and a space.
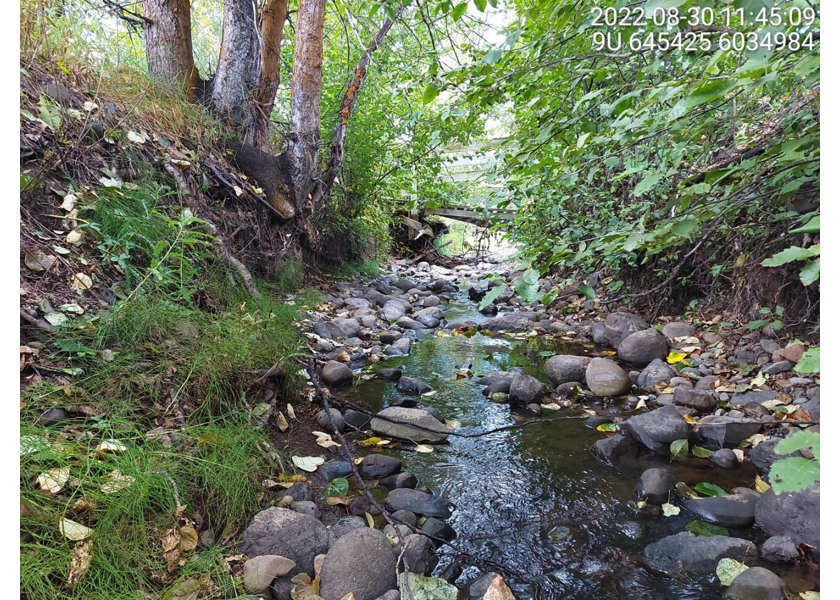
657, 429
656, 372
404, 430
565, 367
792, 514
525, 390
736, 510
619, 325
756, 583
336, 374
642, 347
361, 562
606, 378
417, 502
284, 532
685, 553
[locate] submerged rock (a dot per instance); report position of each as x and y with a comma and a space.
694, 555
417, 502
410, 385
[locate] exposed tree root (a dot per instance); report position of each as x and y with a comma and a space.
190, 192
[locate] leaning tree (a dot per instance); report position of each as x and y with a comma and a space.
244, 87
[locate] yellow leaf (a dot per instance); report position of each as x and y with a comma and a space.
53, 480
282, 423
370, 441
689, 419
675, 357
760, 486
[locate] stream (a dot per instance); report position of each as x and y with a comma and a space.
535, 499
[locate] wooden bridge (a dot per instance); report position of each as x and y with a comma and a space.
469, 165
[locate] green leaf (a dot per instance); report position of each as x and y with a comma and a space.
793, 474
493, 56
459, 11
428, 588
550, 297
789, 255
812, 226
337, 487
492, 294
798, 441
686, 227
527, 285
48, 111
707, 92
679, 449
728, 569
647, 184
701, 452
709, 489
810, 362
704, 529
810, 272
430, 93
587, 291
480, 4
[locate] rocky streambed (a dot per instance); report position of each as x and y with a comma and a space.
640, 457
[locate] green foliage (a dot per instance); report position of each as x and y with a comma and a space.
493, 293
810, 362
338, 487
709, 489
704, 529
679, 449
527, 286
618, 159
290, 275
796, 473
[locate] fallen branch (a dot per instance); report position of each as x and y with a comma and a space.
44, 326
225, 254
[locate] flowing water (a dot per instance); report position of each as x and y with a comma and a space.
534, 499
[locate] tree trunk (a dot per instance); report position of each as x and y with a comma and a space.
239, 67
307, 79
168, 36
271, 29
351, 93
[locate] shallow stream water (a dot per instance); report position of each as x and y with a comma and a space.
534, 499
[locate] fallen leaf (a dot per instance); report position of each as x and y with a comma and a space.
137, 138
112, 446
110, 182
53, 480
291, 412
669, 510
704, 529
81, 282
370, 441
69, 202
178, 544
369, 519
282, 423
80, 561
37, 260
307, 463
640, 404
453, 424
701, 452
73, 237
679, 448
116, 481
675, 357
424, 449
684, 491
56, 318
74, 531
610, 427
325, 440
760, 485
728, 569
551, 406
335, 500
238, 190
709, 489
